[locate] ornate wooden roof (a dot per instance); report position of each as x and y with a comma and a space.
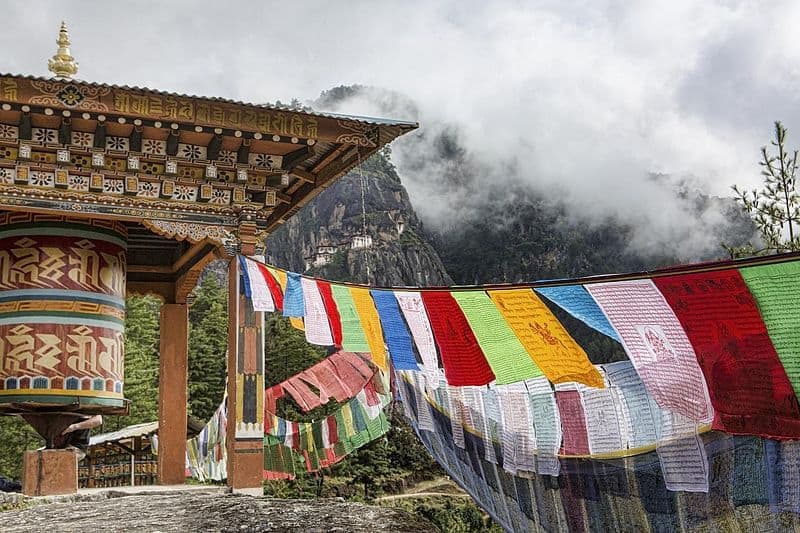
188, 174
170, 159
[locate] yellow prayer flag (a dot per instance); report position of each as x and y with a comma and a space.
347, 417
555, 352
371, 324
280, 275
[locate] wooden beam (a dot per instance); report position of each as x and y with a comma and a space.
172, 393
186, 283
25, 127
333, 154
283, 197
190, 254
295, 186
292, 159
172, 142
303, 175
243, 154
136, 139
149, 269
100, 135
164, 291
65, 132
214, 146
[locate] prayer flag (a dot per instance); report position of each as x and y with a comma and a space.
413, 309
657, 345
317, 328
555, 352
464, 362
508, 358
395, 331
353, 337
371, 324
577, 302
748, 386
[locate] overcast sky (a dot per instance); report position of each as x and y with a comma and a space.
587, 95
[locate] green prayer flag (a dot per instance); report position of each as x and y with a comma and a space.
505, 354
353, 338
776, 289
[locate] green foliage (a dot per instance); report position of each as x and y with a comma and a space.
774, 208
451, 515
286, 350
141, 363
208, 344
16, 436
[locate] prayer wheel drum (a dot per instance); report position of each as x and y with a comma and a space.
62, 314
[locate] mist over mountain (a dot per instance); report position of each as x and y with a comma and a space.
468, 220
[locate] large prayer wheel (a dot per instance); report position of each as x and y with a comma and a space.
62, 314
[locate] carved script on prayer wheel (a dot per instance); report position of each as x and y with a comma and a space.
62, 311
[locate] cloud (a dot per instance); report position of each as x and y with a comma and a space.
580, 99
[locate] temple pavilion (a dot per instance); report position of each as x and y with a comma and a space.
107, 191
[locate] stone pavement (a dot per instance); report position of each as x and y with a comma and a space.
188, 508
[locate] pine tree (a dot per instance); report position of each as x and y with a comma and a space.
208, 344
141, 363
775, 208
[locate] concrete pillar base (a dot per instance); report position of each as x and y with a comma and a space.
50, 472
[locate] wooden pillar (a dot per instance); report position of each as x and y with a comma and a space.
245, 390
172, 394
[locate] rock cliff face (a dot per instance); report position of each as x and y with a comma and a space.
382, 244
535, 238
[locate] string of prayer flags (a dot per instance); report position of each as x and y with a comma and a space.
518, 434
462, 358
395, 331
341, 376
747, 384
324, 442
506, 356
283, 279
657, 345
776, 289
371, 325
604, 433
207, 452
577, 302
555, 352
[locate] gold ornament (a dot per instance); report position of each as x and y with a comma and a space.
63, 65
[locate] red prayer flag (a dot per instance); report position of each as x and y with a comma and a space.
462, 358
748, 386
333, 430
274, 287
573, 422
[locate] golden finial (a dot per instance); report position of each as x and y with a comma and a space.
63, 65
